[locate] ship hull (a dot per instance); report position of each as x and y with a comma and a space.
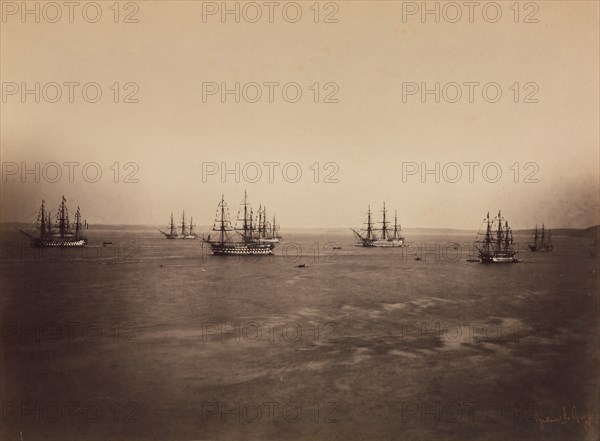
241, 248
66, 243
536, 249
498, 258
275, 240
380, 243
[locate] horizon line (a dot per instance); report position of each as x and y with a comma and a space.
314, 228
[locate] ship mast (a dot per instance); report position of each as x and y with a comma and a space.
384, 227
499, 232
222, 227
245, 226
183, 228
191, 226
488, 234
259, 222
77, 224
42, 219
49, 224
543, 244
173, 231
369, 225
63, 221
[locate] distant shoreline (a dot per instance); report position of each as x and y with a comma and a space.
579, 232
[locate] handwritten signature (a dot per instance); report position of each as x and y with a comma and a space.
573, 418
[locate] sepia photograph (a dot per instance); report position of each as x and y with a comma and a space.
310, 220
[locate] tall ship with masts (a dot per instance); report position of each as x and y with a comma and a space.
240, 239
273, 235
384, 236
172, 233
495, 242
266, 231
57, 231
187, 231
541, 239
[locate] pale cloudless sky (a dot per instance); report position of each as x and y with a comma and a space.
368, 134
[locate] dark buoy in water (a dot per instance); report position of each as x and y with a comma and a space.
301, 266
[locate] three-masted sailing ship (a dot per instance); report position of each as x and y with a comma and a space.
371, 236
57, 231
172, 233
494, 241
266, 232
541, 240
187, 232
241, 239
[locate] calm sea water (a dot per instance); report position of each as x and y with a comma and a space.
147, 338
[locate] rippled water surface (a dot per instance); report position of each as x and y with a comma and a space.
147, 338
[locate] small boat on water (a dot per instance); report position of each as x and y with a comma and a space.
494, 241
57, 232
239, 240
384, 237
541, 240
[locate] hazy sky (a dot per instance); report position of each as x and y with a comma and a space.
371, 54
